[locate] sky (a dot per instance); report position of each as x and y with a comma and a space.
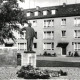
45, 3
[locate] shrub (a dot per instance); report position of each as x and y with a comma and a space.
32, 73
54, 55
69, 53
35, 73
45, 53
62, 73
49, 54
72, 54
76, 54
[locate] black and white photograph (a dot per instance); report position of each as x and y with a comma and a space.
39, 39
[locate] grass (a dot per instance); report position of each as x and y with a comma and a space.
47, 63
58, 61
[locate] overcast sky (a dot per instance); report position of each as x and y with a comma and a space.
43, 3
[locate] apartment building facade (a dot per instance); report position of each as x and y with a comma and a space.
57, 35
57, 29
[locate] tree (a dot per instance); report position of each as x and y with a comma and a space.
10, 16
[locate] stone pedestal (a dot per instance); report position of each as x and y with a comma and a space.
28, 58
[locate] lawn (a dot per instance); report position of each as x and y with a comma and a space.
58, 61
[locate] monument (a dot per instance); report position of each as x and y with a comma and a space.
29, 56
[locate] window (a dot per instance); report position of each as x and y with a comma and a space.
48, 34
48, 23
35, 45
53, 12
44, 12
52, 23
36, 13
28, 14
77, 33
63, 33
34, 23
77, 21
63, 22
76, 46
22, 46
48, 46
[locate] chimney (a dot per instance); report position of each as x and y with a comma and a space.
64, 4
37, 7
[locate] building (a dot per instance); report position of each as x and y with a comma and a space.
57, 29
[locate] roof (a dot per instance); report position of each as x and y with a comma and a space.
61, 11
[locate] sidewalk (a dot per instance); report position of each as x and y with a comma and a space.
61, 58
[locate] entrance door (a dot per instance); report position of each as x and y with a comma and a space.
63, 50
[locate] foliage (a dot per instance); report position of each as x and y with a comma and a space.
35, 73
62, 73
70, 54
45, 53
54, 55
10, 16
76, 54
49, 54
32, 73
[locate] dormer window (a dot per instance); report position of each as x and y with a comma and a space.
28, 14
36, 13
45, 12
53, 12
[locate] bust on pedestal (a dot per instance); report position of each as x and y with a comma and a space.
29, 56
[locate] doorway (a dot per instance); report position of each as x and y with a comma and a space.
63, 46
63, 50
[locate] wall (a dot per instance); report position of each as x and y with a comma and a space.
8, 57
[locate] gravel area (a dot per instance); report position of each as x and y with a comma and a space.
73, 72
9, 73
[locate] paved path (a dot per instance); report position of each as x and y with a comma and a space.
61, 58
